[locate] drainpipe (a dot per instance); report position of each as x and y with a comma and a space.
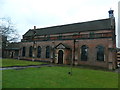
53, 47
34, 44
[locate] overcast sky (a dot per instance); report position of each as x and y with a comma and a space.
44, 13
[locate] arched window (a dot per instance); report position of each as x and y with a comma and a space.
30, 51
39, 52
47, 52
100, 53
84, 53
23, 51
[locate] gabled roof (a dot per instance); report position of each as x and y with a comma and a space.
102, 24
13, 46
62, 46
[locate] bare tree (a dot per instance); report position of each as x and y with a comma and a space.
8, 34
8, 30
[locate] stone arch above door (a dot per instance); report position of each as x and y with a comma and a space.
60, 53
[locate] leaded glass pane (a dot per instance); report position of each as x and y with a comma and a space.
100, 53
84, 53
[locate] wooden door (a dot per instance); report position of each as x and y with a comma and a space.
60, 57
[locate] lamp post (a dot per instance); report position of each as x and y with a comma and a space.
53, 51
34, 45
72, 61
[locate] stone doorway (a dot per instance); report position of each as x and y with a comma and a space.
60, 57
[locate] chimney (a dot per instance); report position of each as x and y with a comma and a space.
34, 27
111, 14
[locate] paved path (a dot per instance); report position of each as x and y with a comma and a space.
22, 67
42, 65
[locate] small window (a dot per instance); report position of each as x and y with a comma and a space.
100, 53
92, 34
39, 52
47, 52
23, 51
47, 37
60, 36
30, 51
84, 53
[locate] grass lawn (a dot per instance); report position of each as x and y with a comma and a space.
57, 77
0, 62
16, 62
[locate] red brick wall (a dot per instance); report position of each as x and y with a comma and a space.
91, 43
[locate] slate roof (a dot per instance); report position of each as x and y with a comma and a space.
102, 24
13, 46
118, 49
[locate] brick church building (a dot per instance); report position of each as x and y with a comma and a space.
87, 43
